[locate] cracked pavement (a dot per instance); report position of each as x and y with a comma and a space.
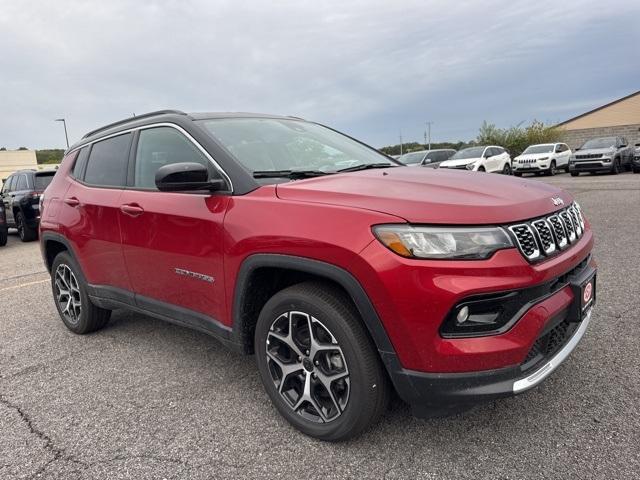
147, 400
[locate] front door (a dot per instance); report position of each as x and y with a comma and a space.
173, 241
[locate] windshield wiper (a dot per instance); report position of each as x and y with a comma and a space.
292, 174
367, 166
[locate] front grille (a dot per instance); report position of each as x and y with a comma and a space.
528, 160
543, 237
588, 156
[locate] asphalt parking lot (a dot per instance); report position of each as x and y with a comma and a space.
145, 399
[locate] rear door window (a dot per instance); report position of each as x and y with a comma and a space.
107, 164
22, 183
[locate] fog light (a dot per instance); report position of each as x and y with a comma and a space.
463, 315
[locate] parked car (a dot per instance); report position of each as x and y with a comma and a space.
21, 197
427, 158
4, 230
603, 154
545, 158
345, 283
635, 163
481, 159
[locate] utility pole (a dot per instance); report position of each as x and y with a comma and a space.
400, 143
65, 129
428, 129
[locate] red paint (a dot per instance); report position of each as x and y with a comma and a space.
135, 239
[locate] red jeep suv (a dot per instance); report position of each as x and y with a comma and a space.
346, 274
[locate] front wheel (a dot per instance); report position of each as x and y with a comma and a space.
575, 174
318, 364
552, 168
506, 170
3, 237
615, 168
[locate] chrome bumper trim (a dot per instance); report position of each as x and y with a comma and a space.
543, 372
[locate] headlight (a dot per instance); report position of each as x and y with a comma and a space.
442, 242
543, 159
471, 165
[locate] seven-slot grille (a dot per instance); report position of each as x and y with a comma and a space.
588, 156
545, 236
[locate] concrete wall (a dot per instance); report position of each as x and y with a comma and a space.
575, 138
12, 160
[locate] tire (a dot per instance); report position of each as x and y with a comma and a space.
481, 169
3, 236
506, 170
358, 399
552, 169
517, 174
575, 174
67, 276
636, 170
566, 168
615, 168
25, 233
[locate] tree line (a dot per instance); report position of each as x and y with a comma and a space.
514, 139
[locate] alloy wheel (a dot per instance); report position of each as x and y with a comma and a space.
307, 367
20, 226
67, 294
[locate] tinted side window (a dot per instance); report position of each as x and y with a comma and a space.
162, 146
107, 165
81, 162
22, 183
42, 181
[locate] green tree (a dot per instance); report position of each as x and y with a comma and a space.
516, 139
51, 156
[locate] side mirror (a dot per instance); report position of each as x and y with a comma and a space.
623, 145
186, 176
637, 144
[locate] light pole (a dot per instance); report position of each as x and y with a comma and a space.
65, 129
425, 134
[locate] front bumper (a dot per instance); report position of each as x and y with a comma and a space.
591, 166
438, 394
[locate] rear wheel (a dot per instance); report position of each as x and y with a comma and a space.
71, 298
506, 170
3, 237
318, 364
25, 233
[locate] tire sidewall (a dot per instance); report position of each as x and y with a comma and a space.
350, 418
65, 258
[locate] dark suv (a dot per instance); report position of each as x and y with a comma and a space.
345, 273
603, 154
3, 227
21, 197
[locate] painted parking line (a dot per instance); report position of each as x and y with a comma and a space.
24, 285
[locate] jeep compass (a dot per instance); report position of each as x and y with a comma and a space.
346, 274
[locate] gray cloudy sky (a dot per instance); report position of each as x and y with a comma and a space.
370, 68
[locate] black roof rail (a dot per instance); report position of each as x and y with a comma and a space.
135, 117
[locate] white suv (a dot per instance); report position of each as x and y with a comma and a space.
481, 159
547, 158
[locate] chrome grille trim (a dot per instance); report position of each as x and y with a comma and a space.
546, 236
526, 240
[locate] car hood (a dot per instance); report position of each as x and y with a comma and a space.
457, 163
533, 156
591, 151
425, 195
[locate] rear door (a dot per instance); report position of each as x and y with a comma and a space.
173, 241
90, 212
7, 196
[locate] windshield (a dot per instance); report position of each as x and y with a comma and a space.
471, 152
412, 158
604, 142
43, 180
539, 149
269, 144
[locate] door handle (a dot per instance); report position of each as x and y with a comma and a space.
132, 209
72, 201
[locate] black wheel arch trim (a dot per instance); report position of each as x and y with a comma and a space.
333, 273
56, 237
